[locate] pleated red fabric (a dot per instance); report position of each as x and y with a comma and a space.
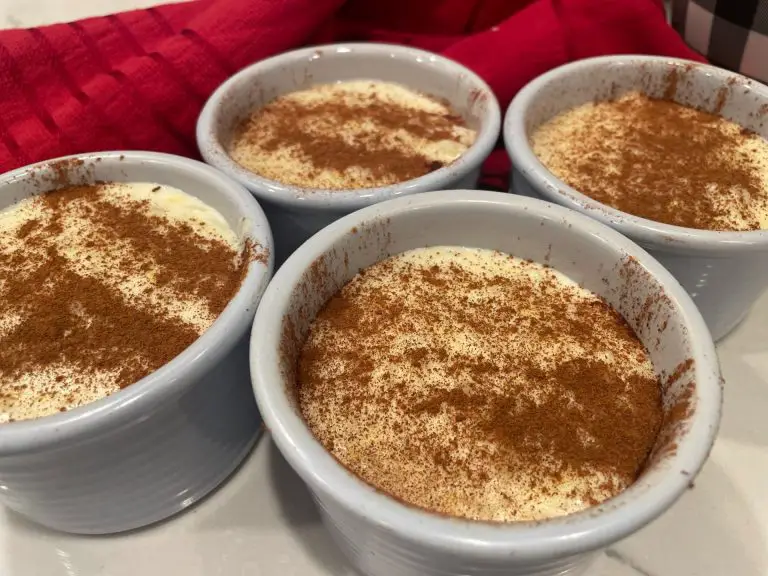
138, 80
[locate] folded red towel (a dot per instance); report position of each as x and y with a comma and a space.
138, 80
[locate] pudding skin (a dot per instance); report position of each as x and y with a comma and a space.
101, 285
350, 135
474, 384
660, 160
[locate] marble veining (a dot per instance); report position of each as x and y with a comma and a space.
626, 561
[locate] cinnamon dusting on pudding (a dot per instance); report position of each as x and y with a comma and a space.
474, 384
357, 134
102, 285
660, 160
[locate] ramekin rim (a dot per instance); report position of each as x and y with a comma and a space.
140, 399
588, 530
215, 154
665, 237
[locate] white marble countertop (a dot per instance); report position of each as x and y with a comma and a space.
263, 522
25, 13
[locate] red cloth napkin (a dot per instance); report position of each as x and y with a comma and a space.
138, 80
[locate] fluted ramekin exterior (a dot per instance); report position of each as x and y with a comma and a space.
724, 272
297, 213
385, 537
159, 445
378, 552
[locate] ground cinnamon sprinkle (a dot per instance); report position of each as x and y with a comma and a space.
477, 387
660, 160
86, 311
349, 139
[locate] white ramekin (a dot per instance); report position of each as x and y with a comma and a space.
724, 272
383, 537
297, 213
159, 445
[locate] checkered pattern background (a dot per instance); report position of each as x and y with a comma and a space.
731, 34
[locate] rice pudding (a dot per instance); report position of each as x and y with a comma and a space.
101, 285
474, 384
660, 160
350, 135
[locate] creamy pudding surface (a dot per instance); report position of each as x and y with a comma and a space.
349, 135
101, 285
660, 160
474, 384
